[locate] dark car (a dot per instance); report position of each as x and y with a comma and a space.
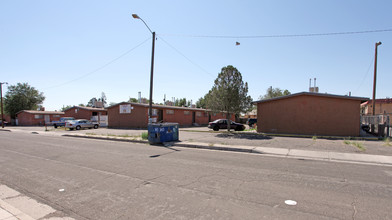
251, 122
222, 124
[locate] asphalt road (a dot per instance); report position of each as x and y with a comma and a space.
116, 180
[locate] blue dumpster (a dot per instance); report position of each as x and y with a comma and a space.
162, 132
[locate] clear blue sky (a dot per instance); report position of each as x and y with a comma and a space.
59, 47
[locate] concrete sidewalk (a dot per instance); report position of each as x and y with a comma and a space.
283, 152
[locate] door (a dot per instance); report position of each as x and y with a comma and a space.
47, 119
160, 115
193, 117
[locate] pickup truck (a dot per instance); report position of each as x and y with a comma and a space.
61, 122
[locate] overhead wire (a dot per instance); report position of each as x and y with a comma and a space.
367, 73
179, 52
101, 67
283, 35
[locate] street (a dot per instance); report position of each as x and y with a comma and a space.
94, 179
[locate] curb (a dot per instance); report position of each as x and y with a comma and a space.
292, 153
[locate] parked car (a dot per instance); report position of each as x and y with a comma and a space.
81, 123
5, 122
222, 124
61, 122
251, 122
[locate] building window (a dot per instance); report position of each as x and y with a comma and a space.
198, 114
187, 112
38, 116
170, 112
154, 112
56, 116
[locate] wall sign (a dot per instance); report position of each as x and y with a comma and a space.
125, 109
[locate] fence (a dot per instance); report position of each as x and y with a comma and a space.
381, 124
103, 120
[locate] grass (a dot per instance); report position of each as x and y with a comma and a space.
387, 141
210, 144
314, 138
145, 135
355, 144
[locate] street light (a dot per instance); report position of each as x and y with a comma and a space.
2, 111
152, 67
374, 80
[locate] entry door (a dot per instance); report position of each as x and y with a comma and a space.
193, 117
160, 115
47, 119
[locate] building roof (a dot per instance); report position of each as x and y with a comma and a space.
87, 108
378, 101
41, 112
158, 106
362, 99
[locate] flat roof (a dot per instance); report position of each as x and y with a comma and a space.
158, 106
41, 112
362, 99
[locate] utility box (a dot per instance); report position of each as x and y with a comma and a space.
162, 132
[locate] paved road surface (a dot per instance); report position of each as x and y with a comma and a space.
115, 180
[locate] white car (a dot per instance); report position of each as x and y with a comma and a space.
81, 123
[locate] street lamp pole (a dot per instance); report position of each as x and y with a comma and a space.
2, 111
152, 67
374, 79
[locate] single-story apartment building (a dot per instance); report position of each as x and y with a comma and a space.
383, 106
37, 118
135, 115
310, 114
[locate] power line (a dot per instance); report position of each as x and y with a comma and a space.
283, 35
186, 57
101, 67
367, 73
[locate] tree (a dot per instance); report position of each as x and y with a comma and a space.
22, 97
133, 100
274, 92
229, 93
65, 107
92, 102
103, 99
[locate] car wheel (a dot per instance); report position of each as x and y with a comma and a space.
78, 127
95, 126
216, 128
55, 126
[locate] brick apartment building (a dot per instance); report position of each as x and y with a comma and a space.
37, 118
135, 115
310, 114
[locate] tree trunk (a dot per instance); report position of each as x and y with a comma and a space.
228, 122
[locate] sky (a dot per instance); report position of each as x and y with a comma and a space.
74, 50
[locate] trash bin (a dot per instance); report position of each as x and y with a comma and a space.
162, 132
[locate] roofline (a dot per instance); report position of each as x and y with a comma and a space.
41, 112
86, 108
158, 106
362, 99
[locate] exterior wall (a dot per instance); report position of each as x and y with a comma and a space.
138, 118
310, 115
81, 113
28, 119
381, 108
221, 115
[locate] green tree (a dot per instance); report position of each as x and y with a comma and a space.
65, 107
133, 100
229, 93
274, 92
91, 102
22, 97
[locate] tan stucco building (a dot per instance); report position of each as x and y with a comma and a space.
310, 114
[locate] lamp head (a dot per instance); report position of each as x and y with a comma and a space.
135, 16
378, 43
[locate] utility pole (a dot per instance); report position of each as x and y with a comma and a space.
375, 79
2, 111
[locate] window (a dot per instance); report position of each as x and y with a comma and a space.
38, 116
154, 112
170, 112
198, 114
187, 112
